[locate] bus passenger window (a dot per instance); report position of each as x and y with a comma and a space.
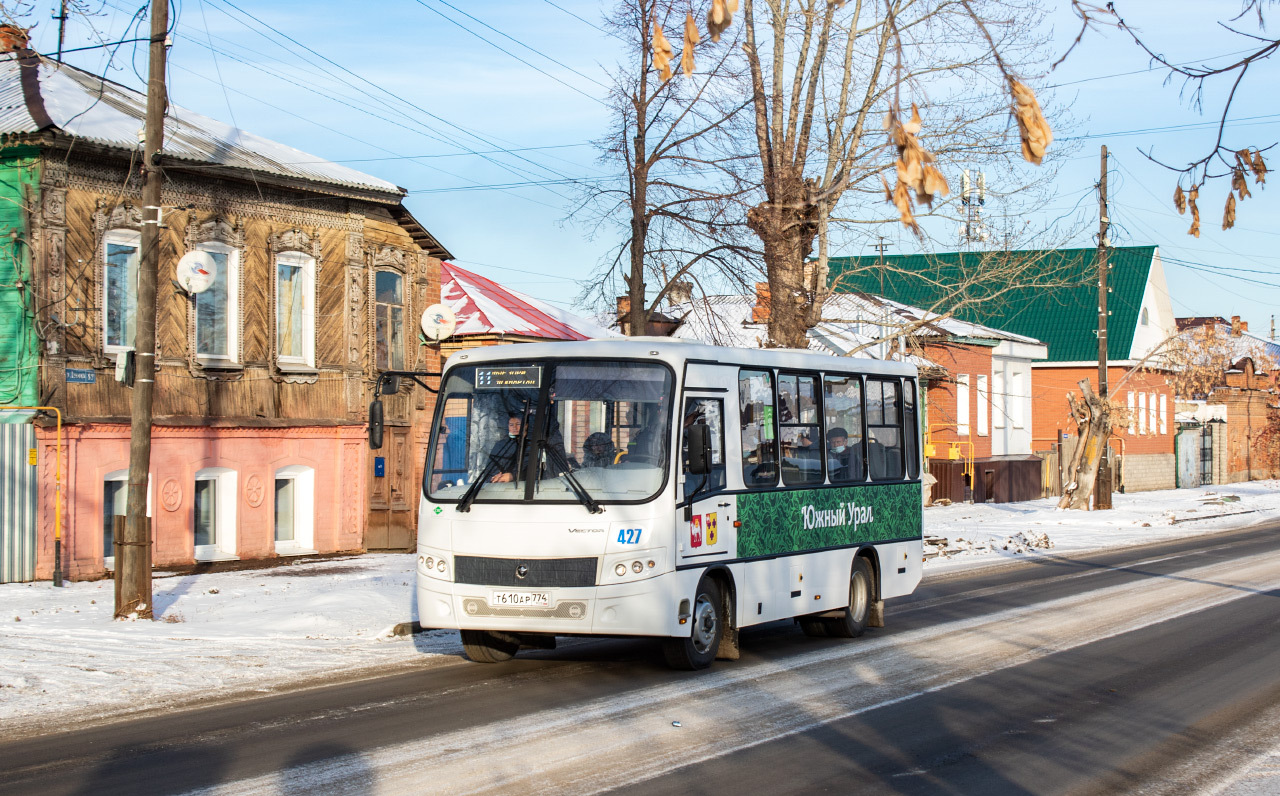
759, 440
709, 412
884, 430
842, 405
798, 430
910, 430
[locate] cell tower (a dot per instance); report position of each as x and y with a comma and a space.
973, 195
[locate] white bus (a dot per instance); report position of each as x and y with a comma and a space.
656, 487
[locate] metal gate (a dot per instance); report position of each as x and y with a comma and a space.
17, 503
1206, 455
1188, 448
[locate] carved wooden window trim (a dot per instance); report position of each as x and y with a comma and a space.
304, 250
121, 222
397, 261
218, 234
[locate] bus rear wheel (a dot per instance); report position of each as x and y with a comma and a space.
487, 646
853, 621
698, 649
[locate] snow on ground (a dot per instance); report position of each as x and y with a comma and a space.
62, 658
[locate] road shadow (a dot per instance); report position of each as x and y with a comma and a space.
328, 768
139, 770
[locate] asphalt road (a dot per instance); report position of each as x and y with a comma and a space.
1150, 670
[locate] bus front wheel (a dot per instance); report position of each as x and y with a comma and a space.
486, 646
853, 621
698, 649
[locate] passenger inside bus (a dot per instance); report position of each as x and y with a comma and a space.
598, 451
505, 452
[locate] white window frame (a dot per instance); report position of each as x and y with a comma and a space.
233, 307
999, 400
1151, 413
121, 237
984, 401
308, 265
1164, 413
1133, 428
962, 405
109, 562
1142, 413
304, 510
225, 526
1017, 407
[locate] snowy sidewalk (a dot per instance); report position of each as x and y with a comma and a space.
62, 658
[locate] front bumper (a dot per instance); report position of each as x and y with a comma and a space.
644, 608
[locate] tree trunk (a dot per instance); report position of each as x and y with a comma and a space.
1093, 429
787, 226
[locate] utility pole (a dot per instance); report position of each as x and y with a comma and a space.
1102, 486
133, 571
62, 27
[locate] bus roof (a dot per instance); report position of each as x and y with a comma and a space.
675, 352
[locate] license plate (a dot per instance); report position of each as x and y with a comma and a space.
520, 599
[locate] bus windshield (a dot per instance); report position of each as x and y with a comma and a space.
563, 431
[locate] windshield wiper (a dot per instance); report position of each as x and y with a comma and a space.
558, 460
469, 496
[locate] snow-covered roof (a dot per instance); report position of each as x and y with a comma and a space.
485, 307
859, 325
37, 94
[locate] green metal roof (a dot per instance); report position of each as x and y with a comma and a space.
1051, 295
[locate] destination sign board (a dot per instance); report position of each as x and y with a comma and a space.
509, 378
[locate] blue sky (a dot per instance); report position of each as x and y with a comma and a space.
483, 109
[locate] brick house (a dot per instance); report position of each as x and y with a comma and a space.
1243, 442
262, 381
1060, 308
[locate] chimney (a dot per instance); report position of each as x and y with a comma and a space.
12, 38
760, 312
1236, 328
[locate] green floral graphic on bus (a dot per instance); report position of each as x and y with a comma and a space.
788, 521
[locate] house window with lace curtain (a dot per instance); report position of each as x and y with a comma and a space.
217, 309
389, 320
295, 309
119, 290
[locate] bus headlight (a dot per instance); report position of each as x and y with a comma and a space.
620, 570
637, 567
440, 566
431, 563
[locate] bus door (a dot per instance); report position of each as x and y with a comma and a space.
705, 515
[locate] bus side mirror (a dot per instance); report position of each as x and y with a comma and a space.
375, 424
699, 449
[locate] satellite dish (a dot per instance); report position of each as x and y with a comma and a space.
438, 322
196, 271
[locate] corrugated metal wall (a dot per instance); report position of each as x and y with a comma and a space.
17, 504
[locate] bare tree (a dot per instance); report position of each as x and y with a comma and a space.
1220, 160
823, 75
671, 141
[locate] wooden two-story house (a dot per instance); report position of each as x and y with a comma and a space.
263, 380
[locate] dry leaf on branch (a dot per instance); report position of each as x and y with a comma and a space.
1229, 214
719, 16
1238, 184
691, 38
1035, 132
1259, 168
1179, 200
1195, 212
912, 167
662, 52
902, 201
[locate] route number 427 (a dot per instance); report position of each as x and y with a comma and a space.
629, 536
